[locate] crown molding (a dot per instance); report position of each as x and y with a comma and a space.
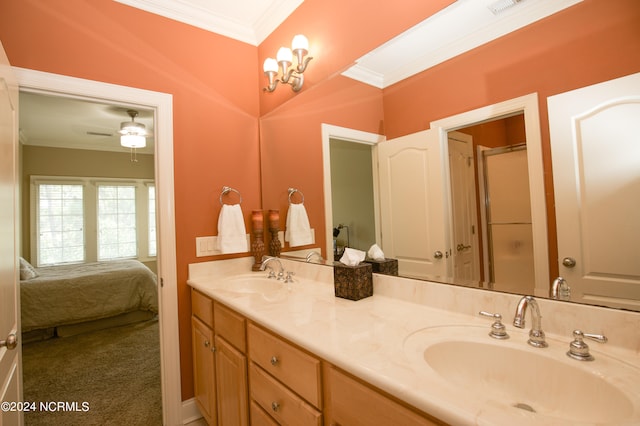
205, 18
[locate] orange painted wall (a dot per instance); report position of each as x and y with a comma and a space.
215, 107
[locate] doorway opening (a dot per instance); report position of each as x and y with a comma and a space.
365, 143
519, 120
161, 104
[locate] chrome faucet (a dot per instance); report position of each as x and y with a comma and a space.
560, 289
536, 335
266, 263
313, 254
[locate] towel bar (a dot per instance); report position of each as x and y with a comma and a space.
293, 191
226, 190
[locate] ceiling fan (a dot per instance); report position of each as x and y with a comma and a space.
133, 134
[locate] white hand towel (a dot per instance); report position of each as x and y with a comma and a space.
298, 232
232, 236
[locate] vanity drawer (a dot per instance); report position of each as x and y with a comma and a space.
293, 367
283, 405
202, 307
231, 326
259, 417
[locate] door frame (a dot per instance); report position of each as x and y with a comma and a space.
528, 105
162, 104
329, 132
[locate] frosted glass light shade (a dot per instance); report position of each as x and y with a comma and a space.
270, 65
133, 141
300, 42
284, 54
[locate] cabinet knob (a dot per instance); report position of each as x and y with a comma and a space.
206, 343
274, 361
275, 406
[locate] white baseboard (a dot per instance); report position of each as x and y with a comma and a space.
190, 411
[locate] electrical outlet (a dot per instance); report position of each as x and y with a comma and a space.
208, 246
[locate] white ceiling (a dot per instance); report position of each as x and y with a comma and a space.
463, 26
459, 28
54, 121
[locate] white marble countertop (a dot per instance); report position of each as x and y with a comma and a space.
369, 338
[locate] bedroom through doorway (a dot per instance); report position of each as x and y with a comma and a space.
53, 84
88, 233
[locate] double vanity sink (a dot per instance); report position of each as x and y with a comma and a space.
510, 373
444, 363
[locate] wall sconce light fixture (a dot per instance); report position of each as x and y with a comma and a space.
294, 75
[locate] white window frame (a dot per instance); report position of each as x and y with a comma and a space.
148, 204
90, 185
35, 223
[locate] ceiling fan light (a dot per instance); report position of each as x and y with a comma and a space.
133, 141
131, 127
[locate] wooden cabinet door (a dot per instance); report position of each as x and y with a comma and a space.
204, 373
350, 402
231, 372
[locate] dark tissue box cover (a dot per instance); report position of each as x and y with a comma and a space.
353, 282
387, 266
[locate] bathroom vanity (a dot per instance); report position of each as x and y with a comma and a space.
269, 352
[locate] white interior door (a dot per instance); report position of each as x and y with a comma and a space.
466, 261
10, 352
413, 204
595, 146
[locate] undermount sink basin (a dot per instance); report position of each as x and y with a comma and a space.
254, 284
545, 383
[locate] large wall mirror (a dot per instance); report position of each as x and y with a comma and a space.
498, 213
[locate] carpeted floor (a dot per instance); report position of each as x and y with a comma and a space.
106, 377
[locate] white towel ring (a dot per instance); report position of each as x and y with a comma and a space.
293, 191
226, 190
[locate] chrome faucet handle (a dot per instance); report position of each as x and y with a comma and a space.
579, 350
498, 330
289, 278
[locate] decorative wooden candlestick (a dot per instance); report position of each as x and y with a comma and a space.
274, 227
257, 246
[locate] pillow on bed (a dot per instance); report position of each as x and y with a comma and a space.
27, 271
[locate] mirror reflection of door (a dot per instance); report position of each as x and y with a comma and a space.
596, 168
465, 251
413, 209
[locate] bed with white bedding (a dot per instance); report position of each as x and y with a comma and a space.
69, 296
